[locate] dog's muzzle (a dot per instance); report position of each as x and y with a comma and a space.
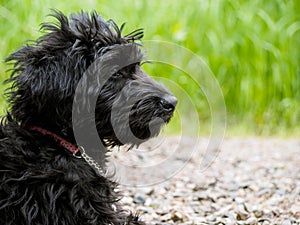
168, 103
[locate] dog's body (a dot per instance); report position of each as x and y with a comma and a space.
41, 182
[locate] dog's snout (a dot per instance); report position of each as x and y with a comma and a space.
168, 103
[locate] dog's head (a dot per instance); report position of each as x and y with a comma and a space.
85, 49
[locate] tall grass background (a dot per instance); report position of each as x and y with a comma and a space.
252, 47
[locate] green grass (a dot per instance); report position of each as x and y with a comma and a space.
252, 47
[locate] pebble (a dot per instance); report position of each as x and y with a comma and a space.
139, 199
177, 216
239, 200
166, 217
258, 213
251, 221
242, 215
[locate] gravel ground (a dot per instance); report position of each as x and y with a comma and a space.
251, 181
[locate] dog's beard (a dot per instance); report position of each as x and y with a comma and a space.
147, 118
133, 126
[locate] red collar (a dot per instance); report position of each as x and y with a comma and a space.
67, 145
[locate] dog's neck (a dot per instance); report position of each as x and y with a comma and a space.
77, 152
64, 143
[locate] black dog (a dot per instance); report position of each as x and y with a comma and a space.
43, 178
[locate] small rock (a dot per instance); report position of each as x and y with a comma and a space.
215, 206
197, 220
139, 199
248, 207
177, 216
264, 191
148, 202
211, 218
166, 217
251, 221
148, 190
127, 200
295, 209
280, 192
276, 212
286, 222
224, 211
201, 197
267, 213
147, 210
178, 194
191, 186
225, 221
239, 200
242, 215
258, 213
194, 203
162, 211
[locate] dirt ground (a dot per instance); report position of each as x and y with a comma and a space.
178, 180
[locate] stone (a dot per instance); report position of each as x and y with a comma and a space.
251, 221
139, 199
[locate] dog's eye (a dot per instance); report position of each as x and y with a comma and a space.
117, 75
126, 71
133, 67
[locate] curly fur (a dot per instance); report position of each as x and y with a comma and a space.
40, 181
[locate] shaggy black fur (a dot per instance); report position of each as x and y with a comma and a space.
41, 183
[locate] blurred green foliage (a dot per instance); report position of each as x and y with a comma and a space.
252, 47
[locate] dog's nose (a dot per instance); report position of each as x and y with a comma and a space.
168, 103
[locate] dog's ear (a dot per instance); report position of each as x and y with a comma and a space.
39, 82
45, 67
